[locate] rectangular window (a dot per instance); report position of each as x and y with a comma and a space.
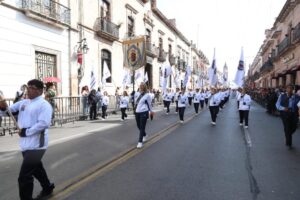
130, 27
45, 65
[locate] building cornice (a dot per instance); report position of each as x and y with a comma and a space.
129, 7
287, 8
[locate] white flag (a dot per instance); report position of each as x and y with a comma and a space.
166, 71
139, 75
212, 74
225, 75
126, 77
93, 80
239, 76
146, 78
188, 73
106, 74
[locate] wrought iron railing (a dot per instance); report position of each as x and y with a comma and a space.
150, 48
108, 27
162, 56
283, 45
49, 9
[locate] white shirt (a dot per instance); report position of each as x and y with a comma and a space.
207, 94
124, 101
202, 96
214, 100
245, 102
144, 103
34, 115
197, 97
190, 94
176, 96
105, 101
168, 96
182, 100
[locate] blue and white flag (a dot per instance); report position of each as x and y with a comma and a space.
106, 74
188, 73
212, 73
225, 75
239, 76
166, 71
93, 80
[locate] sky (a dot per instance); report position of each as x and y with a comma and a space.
226, 25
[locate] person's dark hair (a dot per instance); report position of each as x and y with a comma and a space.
37, 83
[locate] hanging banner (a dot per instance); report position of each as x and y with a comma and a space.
134, 53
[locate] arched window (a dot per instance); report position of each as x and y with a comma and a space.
106, 58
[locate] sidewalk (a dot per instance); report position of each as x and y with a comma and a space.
59, 134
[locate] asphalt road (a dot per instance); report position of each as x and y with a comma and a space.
199, 161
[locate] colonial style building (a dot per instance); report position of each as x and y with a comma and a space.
73, 39
278, 60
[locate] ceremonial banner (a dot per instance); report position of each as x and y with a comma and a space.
126, 78
134, 53
166, 71
212, 74
225, 75
239, 76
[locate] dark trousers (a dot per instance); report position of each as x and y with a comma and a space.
244, 115
164, 102
190, 100
289, 120
213, 112
141, 121
32, 167
123, 111
168, 106
222, 104
202, 103
196, 106
104, 109
176, 103
206, 102
181, 113
93, 111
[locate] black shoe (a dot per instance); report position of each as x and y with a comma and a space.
45, 193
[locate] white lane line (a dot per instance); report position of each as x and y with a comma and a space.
248, 138
8, 156
65, 159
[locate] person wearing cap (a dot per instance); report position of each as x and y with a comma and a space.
287, 106
34, 119
244, 107
142, 110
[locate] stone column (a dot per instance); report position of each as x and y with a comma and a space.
298, 78
288, 79
280, 81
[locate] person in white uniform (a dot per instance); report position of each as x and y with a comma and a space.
142, 109
124, 102
105, 103
34, 119
182, 103
196, 101
244, 107
214, 105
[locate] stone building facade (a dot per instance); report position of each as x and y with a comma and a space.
277, 63
70, 39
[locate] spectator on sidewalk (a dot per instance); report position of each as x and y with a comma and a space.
105, 103
92, 100
50, 93
287, 106
84, 94
21, 94
34, 120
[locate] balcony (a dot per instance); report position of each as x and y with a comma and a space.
107, 29
267, 66
172, 60
283, 45
296, 34
151, 50
49, 12
162, 56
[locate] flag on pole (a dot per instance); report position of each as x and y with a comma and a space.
166, 71
139, 75
225, 75
93, 80
146, 78
126, 77
240, 73
106, 73
177, 78
188, 72
212, 74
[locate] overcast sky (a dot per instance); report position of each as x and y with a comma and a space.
226, 25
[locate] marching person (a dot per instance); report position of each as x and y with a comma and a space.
105, 103
287, 105
202, 99
176, 99
182, 103
214, 106
167, 99
196, 100
124, 101
244, 107
190, 96
142, 109
34, 119
207, 95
